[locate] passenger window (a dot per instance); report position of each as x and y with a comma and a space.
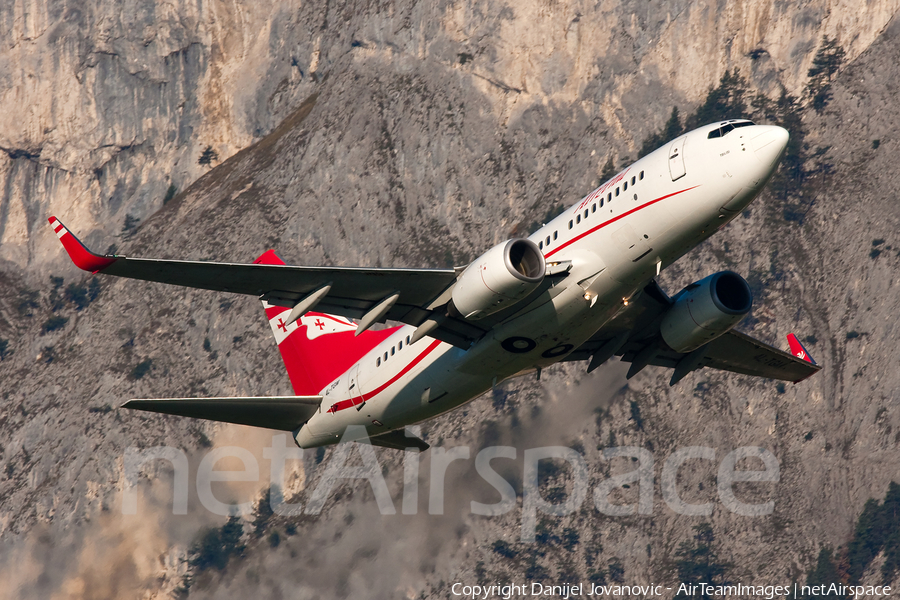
378, 362
400, 345
407, 340
632, 180
601, 202
624, 186
570, 224
609, 197
555, 235
578, 219
540, 245
642, 176
586, 212
594, 207
385, 356
548, 240
392, 350
617, 191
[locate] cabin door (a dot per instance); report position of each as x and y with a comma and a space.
676, 158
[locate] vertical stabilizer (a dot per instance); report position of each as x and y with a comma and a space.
317, 348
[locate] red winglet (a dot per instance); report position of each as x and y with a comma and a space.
268, 258
80, 255
798, 350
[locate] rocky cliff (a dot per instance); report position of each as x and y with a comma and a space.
400, 135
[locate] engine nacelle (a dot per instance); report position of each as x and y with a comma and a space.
499, 278
705, 310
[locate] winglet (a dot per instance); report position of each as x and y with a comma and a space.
268, 258
798, 350
78, 252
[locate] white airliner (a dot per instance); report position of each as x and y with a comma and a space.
581, 287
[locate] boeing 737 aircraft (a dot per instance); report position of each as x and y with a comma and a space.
580, 288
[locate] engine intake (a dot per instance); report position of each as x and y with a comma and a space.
705, 310
499, 278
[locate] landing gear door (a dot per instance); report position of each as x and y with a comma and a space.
676, 158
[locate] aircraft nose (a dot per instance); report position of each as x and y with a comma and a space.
769, 143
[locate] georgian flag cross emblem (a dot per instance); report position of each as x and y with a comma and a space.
316, 324
320, 324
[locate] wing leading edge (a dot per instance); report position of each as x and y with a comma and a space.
352, 293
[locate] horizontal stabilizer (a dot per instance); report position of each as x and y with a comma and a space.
284, 413
398, 440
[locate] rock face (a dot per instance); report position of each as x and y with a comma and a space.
105, 108
414, 135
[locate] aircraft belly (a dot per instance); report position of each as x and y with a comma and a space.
549, 333
632, 249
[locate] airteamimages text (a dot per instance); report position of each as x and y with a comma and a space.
564, 591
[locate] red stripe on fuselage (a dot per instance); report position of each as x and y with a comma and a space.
614, 219
365, 397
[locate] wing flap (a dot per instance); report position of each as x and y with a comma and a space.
284, 413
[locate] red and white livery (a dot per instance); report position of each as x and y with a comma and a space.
581, 287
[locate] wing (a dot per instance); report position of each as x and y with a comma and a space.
284, 413
741, 353
634, 335
353, 292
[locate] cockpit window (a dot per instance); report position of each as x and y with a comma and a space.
726, 127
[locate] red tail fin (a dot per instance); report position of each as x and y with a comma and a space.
317, 348
798, 350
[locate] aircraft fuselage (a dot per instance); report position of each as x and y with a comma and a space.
616, 239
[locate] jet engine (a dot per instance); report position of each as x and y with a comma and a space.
499, 278
705, 310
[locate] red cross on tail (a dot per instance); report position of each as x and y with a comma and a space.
317, 348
